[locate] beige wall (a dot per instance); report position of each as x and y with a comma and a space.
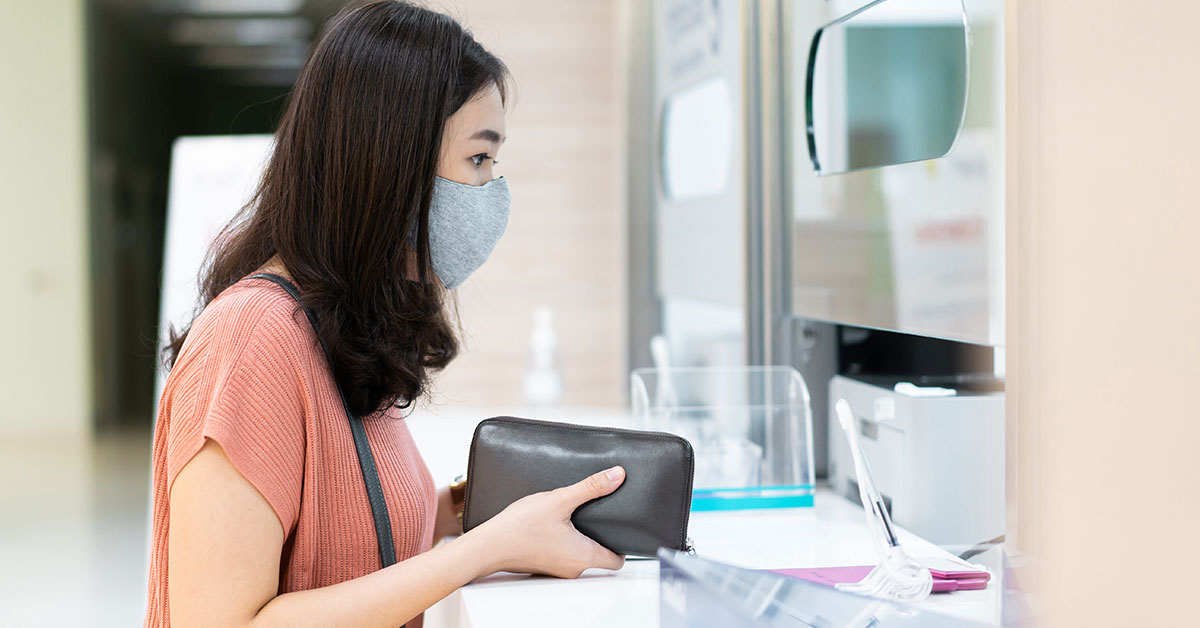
1104, 223
565, 241
45, 348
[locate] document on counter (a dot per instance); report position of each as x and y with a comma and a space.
948, 575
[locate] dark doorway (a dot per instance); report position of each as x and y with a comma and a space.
157, 70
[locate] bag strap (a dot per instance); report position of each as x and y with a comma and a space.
366, 461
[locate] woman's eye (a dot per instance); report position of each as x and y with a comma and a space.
482, 157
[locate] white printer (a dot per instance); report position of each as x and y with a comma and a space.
938, 460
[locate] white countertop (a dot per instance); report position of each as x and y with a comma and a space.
831, 533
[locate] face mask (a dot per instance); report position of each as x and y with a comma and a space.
465, 223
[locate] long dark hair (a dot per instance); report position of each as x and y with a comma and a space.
344, 200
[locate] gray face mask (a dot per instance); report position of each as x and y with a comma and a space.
465, 223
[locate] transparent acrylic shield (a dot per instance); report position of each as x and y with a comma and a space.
699, 593
750, 427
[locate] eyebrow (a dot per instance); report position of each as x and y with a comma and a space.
488, 135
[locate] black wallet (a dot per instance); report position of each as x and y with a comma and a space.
512, 458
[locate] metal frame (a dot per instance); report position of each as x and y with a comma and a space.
644, 308
768, 285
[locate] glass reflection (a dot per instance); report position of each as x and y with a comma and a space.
886, 84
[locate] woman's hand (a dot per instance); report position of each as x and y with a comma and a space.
535, 535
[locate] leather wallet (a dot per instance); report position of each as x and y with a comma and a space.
512, 458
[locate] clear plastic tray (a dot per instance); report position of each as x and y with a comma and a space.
750, 427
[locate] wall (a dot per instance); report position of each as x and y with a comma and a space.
1105, 311
565, 243
45, 355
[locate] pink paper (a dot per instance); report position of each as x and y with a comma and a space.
961, 575
969, 584
947, 569
830, 576
827, 576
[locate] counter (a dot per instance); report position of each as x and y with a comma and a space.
831, 533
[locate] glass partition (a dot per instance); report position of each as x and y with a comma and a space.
915, 247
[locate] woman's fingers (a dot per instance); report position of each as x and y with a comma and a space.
606, 559
591, 487
540, 538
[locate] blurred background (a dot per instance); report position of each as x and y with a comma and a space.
1017, 224
106, 88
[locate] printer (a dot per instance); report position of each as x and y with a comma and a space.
937, 456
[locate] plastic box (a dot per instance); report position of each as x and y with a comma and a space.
750, 427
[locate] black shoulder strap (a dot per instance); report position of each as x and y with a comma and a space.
366, 461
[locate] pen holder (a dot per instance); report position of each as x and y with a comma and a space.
896, 576
750, 428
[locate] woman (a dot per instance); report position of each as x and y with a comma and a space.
378, 198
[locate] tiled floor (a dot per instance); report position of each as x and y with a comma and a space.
73, 530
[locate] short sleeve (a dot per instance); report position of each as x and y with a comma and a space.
240, 385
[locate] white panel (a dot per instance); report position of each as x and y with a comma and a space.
697, 147
211, 179
700, 241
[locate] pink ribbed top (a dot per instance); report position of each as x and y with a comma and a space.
252, 377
